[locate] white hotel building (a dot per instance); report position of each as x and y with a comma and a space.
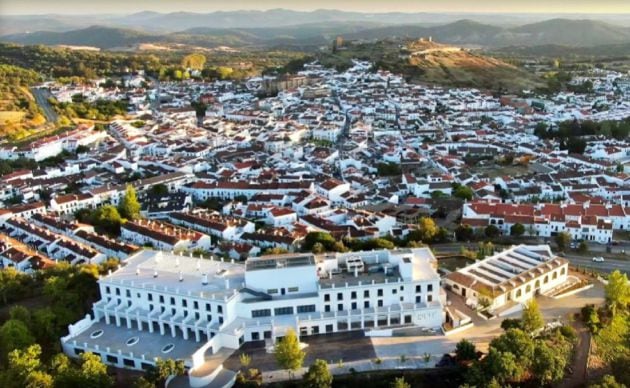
160, 305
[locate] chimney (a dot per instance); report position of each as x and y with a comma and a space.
181, 276
137, 271
356, 272
155, 273
227, 284
204, 279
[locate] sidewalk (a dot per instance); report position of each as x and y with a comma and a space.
342, 368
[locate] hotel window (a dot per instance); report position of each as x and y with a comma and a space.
353, 295
380, 303
161, 298
293, 289
339, 296
326, 297
327, 308
394, 291
272, 291
261, 313
184, 303
107, 290
380, 292
209, 318
340, 307
366, 294
354, 306
172, 301
430, 288
128, 293
220, 309
306, 308
418, 288
117, 291
150, 297
429, 298
196, 305
208, 307
283, 310
366, 304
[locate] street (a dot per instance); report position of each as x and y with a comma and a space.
41, 97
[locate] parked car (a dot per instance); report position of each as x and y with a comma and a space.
598, 259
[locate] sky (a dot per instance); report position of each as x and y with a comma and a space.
30, 7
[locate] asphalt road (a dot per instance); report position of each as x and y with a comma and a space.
41, 97
609, 265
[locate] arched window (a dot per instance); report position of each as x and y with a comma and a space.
537, 284
562, 271
554, 276
528, 289
546, 279
518, 293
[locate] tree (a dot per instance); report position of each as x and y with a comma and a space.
194, 61
14, 335
400, 382
518, 343
465, 350
93, 372
427, 228
463, 192
107, 218
617, 292
576, 145
325, 239
159, 190
532, 317
548, 366
562, 240
511, 323
245, 359
129, 206
288, 353
464, 233
492, 231
318, 248
608, 381
501, 366
583, 247
39, 379
23, 362
318, 375
517, 230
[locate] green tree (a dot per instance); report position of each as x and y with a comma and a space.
562, 240
463, 192
583, 247
326, 239
465, 350
608, 381
491, 231
318, 248
464, 233
165, 368
245, 359
427, 228
39, 379
511, 323
288, 353
399, 382
108, 219
23, 362
617, 292
548, 366
518, 343
129, 206
14, 335
318, 375
159, 190
532, 317
501, 366
517, 230
93, 372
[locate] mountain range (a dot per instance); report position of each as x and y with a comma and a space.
303, 35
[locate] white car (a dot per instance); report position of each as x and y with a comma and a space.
598, 259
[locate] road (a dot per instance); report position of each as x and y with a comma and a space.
609, 265
41, 97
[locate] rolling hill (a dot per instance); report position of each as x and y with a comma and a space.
564, 32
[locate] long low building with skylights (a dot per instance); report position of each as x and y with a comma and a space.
516, 274
162, 305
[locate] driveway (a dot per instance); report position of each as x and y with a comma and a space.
484, 331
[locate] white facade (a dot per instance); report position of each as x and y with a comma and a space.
190, 302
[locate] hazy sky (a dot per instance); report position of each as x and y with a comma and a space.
455, 6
